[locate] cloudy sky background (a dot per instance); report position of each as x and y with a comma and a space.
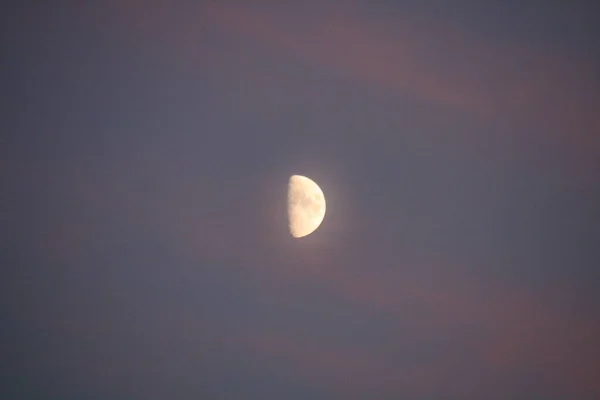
145, 153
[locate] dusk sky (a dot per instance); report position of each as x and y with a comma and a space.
145, 151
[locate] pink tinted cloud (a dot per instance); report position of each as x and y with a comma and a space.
432, 59
508, 330
517, 330
353, 371
505, 330
521, 330
347, 44
498, 331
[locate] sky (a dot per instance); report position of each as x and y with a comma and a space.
145, 151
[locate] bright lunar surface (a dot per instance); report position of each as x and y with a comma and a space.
306, 206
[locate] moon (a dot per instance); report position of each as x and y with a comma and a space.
306, 206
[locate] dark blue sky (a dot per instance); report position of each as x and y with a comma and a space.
145, 153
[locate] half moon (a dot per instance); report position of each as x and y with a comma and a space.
306, 206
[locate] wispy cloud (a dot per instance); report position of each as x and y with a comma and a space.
434, 60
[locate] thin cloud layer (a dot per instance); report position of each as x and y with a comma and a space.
149, 250
433, 60
485, 328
